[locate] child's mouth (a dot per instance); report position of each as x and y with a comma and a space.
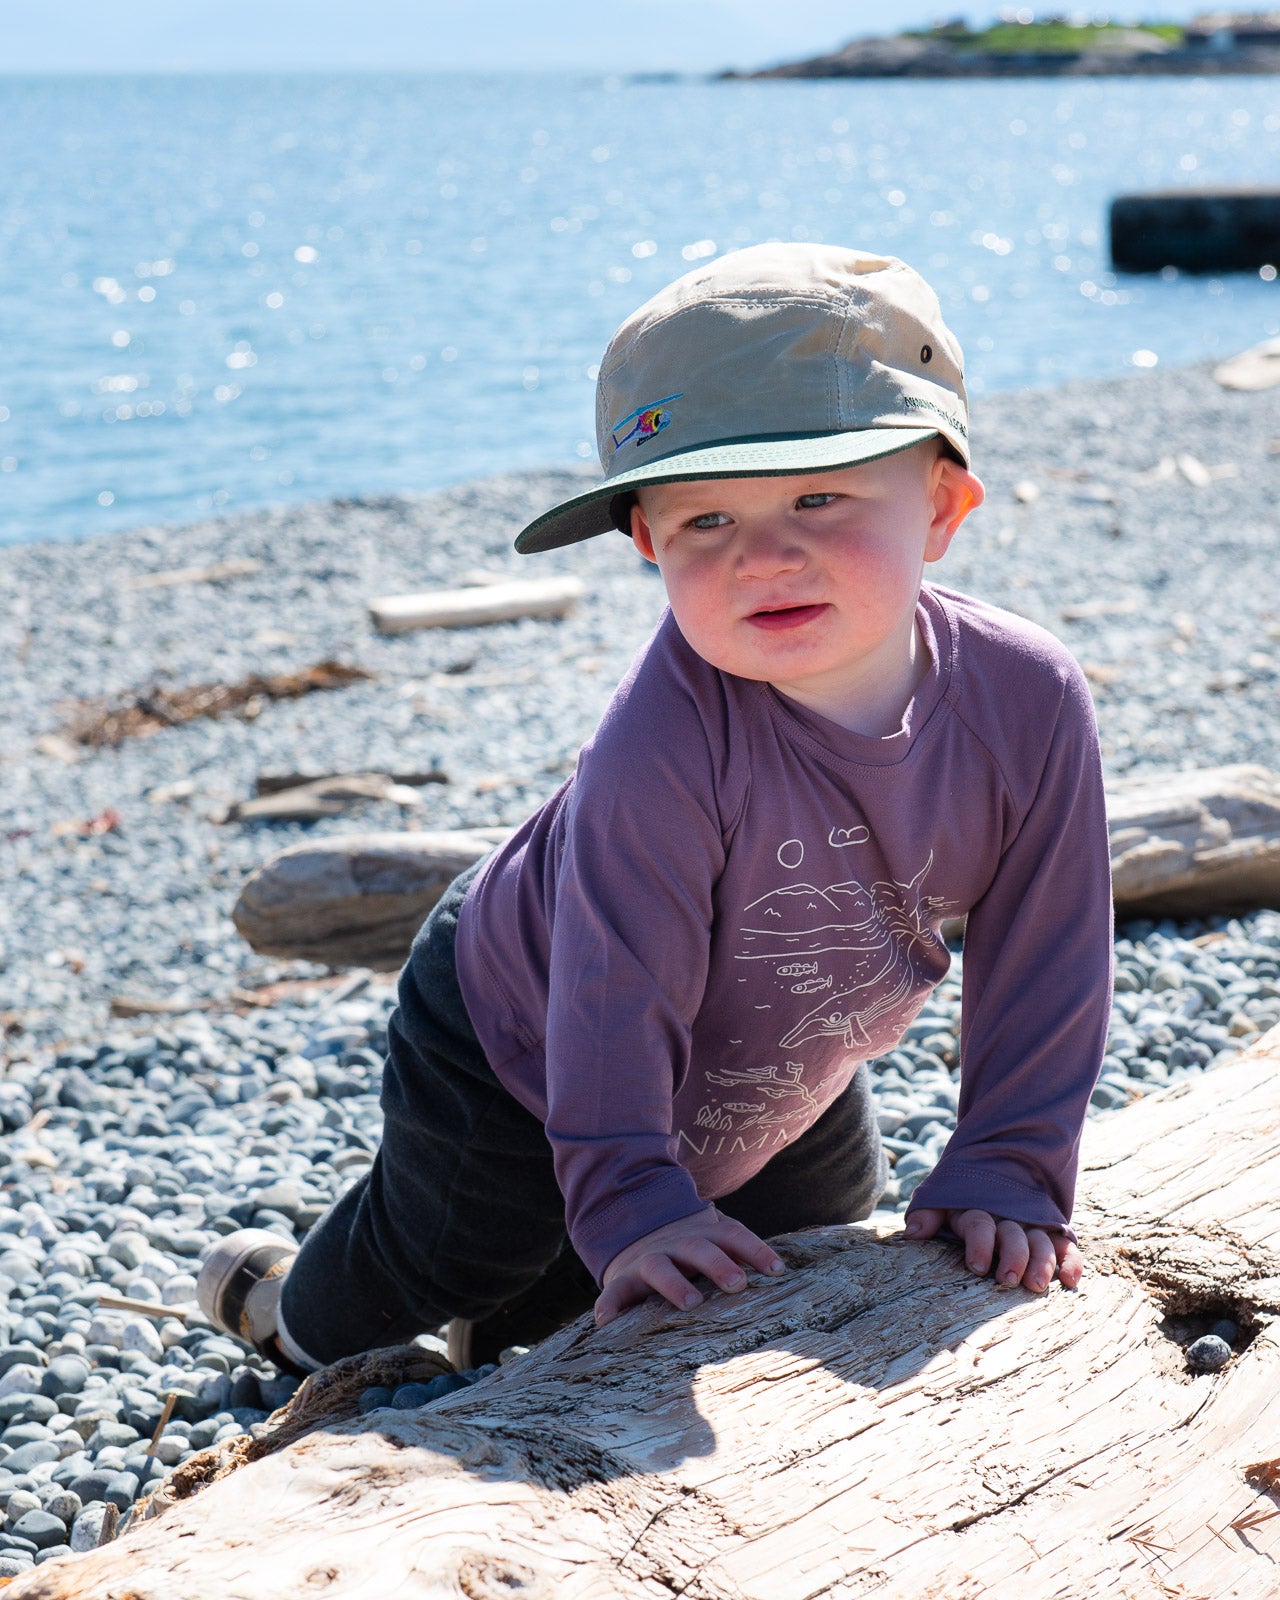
784, 617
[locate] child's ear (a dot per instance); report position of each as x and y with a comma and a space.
954, 493
641, 536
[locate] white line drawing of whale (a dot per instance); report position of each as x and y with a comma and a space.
901, 924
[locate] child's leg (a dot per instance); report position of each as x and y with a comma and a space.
834, 1172
460, 1213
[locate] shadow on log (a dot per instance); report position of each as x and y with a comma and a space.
877, 1423
1182, 844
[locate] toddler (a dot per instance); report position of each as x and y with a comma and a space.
631, 1045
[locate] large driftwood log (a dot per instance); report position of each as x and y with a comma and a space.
354, 900
1182, 844
1196, 843
877, 1423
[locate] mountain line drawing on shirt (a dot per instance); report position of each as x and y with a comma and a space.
872, 932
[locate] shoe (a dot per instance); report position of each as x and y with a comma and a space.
239, 1288
562, 1293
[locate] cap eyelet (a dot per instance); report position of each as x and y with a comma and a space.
926, 353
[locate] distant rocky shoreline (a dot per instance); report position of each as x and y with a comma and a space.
938, 56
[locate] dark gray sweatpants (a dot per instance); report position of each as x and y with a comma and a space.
460, 1214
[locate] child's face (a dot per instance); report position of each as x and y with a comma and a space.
810, 582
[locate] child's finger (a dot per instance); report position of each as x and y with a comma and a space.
1043, 1262
739, 1242
1070, 1262
978, 1230
1015, 1253
705, 1256
924, 1223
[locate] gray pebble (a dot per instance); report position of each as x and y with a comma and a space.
87, 1529
42, 1528
1226, 1330
1209, 1354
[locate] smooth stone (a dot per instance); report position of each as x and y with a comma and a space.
20, 1502
42, 1528
29, 1407
65, 1375
53, 1552
65, 1505
1226, 1330
411, 1395
122, 1490
87, 1528
14, 1566
1209, 1354
31, 1455
14, 1544
20, 1355
20, 1433
376, 1398
92, 1486
141, 1336
118, 1435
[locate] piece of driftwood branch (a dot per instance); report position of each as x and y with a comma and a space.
216, 572
356, 900
274, 782
876, 1423
1182, 844
467, 608
1195, 843
323, 797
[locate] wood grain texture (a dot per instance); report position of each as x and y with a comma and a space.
877, 1423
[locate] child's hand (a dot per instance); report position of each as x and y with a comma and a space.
705, 1243
1027, 1255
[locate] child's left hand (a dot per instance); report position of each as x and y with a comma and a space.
1024, 1254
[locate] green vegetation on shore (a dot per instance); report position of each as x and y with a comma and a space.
1050, 36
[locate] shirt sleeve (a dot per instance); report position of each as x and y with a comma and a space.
1036, 995
642, 851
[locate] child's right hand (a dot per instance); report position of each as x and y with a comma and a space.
706, 1243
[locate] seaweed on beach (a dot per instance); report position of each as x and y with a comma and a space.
136, 713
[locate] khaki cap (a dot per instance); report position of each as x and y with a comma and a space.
779, 359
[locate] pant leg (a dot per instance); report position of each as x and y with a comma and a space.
834, 1172
460, 1212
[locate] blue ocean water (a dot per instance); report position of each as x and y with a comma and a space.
224, 291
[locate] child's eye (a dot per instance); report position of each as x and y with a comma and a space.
707, 521
814, 502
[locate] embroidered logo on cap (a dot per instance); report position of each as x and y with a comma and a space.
648, 421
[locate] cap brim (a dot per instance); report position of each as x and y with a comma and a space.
583, 516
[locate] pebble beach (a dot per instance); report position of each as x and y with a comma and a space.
163, 1084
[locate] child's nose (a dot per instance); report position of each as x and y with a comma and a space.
767, 551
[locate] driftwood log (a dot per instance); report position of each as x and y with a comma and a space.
1182, 844
357, 899
488, 602
877, 1423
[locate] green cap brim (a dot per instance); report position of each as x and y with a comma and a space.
583, 516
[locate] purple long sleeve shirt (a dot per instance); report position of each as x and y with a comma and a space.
679, 961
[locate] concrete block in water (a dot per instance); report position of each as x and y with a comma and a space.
1196, 230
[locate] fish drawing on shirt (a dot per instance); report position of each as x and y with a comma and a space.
812, 985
